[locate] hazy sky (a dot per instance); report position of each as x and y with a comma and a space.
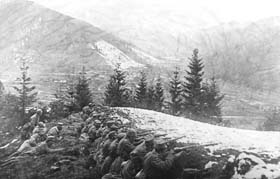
221, 10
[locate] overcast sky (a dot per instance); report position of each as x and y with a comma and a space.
221, 10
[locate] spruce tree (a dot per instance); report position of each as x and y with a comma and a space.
26, 92
158, 95
2, 89
175, 90
212, 99
150, 98
192, 87
141, 91
116, 92
82, 91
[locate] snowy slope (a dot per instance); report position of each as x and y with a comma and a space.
113, 55
203, 133
227, 138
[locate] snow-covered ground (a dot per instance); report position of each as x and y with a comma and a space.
197, 132
113, 55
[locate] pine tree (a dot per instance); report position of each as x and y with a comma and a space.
192, 87
150, 97
159, 95
212, 99
129, 95
26, 95
141, 91
82, 91
116, 92
175, 90
2, 89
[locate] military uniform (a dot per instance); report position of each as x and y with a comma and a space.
143, 148
94, 133
134, 165
105, 168
124, 148
34, 119
131, 168
106, 148
54, 132
43, 148
26, 131
26, 146
155, 167
40, 129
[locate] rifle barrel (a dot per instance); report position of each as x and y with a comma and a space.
190, 146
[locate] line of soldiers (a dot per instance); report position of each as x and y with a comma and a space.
118, 152
40, 141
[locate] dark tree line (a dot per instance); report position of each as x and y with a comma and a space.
193, 97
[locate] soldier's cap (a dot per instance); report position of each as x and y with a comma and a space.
131, 132
121, 135
112, 133
60, 124
110, 122
85, 108
149, 138
95, 114
50, 138
41, 124
159, 144
114, 127
39, 111
97, 122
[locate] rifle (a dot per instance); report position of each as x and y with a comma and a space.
179, 149
174, 140
160, 135
143, 134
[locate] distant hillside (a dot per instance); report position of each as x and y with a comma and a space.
244, 53
58, 46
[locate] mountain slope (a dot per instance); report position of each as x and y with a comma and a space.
56, 45
245, 53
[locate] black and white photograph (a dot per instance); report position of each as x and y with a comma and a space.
139, 89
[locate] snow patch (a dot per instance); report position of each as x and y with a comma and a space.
209, 164
270, 171
113, 55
